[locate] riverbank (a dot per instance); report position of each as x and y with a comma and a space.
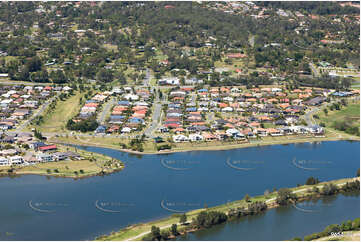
91, 164
202, 146
138, 231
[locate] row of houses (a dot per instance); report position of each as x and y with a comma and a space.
257, 111
18, 102
36, 151
245, 134
129, 113
33, 158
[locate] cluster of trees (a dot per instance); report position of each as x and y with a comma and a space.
352, 186
38, 135
252, 209
347, 126
136, 144
135, 28
156, 234
312, 7
325, 81
208, 219
249, 81
284, 196
334, 229
85, 125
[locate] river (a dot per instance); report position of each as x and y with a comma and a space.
154, 186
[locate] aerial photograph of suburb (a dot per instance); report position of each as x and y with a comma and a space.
179, 120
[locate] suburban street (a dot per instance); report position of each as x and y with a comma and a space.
155, 119
314, 69
106, 110
148, 77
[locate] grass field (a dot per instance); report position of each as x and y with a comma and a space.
56, 120
350, 113
355, 83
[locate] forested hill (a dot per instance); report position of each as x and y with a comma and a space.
67, 41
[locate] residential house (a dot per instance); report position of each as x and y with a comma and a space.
44, 157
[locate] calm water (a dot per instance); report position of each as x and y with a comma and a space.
152, 186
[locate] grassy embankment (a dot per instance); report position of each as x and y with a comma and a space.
349, 114
138, 231
92, 164
150, 147
55, 120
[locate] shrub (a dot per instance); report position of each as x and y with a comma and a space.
312, 181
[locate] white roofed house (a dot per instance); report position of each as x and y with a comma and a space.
227, 109
126, 130
235, 90
66, 88
16, 160
193, 81
117, 90
131, 97
236, 134
44, 157
4, 161
299, 129
180, 138
195, 137
60, 156
315, 129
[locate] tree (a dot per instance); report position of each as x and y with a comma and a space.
174, 229
155, 233
312, 181
38, 135
58, 77
164, 234
325, 111
183, 219
34, 64
266, 193
105, 75
247, 198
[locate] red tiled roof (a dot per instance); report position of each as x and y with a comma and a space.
48, 147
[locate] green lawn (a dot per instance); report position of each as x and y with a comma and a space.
351, 113
55, 120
